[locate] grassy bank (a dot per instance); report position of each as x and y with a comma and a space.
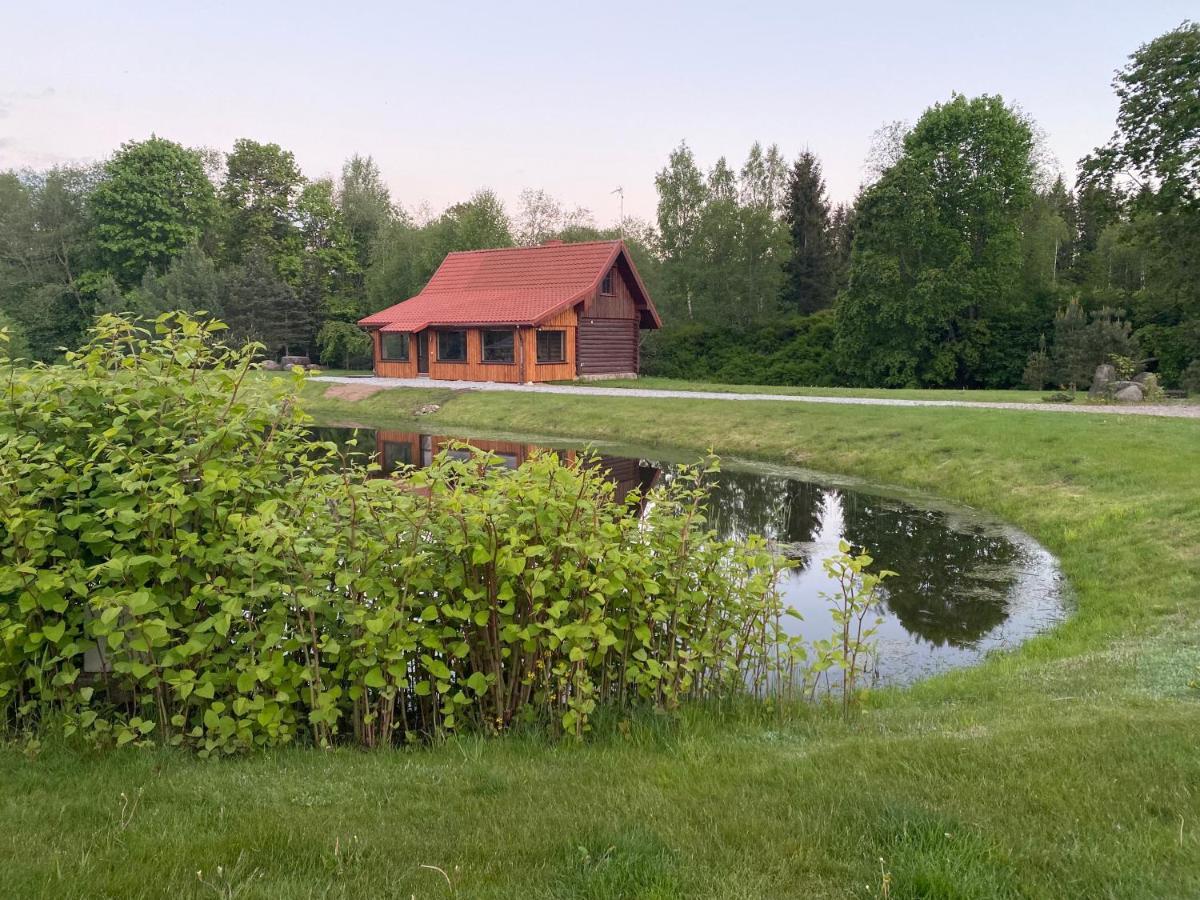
975, 394
1066, 769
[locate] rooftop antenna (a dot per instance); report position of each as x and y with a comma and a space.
620, 191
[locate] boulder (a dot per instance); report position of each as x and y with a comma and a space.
1142, 378
288, 361
1128, 393
271, 366
1103, 377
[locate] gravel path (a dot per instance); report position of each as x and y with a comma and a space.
1177, 411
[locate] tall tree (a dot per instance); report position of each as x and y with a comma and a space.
261, 306
841, 238
1045, 234
1062, 204
541, 217
331, 266
722, 183
764, 179
1156, 147
682, 195
937, 250
262, 185
765, 243
721, 239
366, 208
406, 255
810, 271
1157, 140
719, 295
478, 224
46, 251
154, 200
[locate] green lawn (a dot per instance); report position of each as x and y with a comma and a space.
1069, 768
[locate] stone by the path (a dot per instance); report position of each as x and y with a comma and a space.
271, 366
288, 361
1128, 392
1103, 377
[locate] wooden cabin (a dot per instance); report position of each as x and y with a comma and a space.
548, 313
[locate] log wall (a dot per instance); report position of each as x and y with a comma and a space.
607, 339
524, 367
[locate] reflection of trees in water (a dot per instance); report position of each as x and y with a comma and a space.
951, 587
787, 510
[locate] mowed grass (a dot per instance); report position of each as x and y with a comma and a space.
974, 394
1068, 768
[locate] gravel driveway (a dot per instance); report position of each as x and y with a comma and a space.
1177, 411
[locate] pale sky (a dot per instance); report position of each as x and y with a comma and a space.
572, 98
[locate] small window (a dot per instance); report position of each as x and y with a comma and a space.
606, 284
394, 347
452, 346
551, 346
498, 346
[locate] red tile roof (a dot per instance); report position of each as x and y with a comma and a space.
512, 286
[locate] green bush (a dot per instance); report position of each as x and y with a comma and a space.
180, 564
795, 351
1174, 346
345, 345
17, 347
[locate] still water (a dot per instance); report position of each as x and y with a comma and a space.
966, 585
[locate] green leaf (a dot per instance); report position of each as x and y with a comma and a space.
478, 682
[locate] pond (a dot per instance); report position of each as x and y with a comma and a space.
966, 584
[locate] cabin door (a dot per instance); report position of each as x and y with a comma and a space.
423, 353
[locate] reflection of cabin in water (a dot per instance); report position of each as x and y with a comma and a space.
553, 312
397, 449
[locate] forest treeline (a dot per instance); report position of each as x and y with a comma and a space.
965, 259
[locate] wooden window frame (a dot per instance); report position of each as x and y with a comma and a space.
383, 357
562, 333
483, 332
466, 345
607, 280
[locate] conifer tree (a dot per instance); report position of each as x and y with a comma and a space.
810, 273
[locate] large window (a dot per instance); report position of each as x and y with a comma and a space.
498, 346
394, 347
551, 346
452, 346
